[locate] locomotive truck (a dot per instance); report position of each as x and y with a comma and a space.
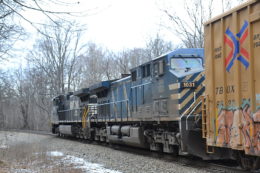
200, 102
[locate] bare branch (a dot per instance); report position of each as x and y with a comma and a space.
32, 24
39, 9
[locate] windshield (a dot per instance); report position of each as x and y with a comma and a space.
186, 63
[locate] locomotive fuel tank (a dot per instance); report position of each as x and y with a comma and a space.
115, 130
132, 136
125, 130
65, 129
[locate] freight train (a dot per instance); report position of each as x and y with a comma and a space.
183, 102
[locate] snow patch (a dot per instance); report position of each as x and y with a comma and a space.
3, 146
22, 171
55, 154
80, 163
87, 166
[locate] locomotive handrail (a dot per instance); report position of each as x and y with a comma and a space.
193, 106
70, 110
140, 85
113, 102
114, 108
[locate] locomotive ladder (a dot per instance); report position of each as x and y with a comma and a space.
84, 117
204, 118
209, 149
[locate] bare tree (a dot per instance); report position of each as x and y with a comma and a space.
157, 46
10, 109
130, 58
191, 32
123, 61
9, 31
189, 27
23, 95
23, 99
40, 101
109, 63
58, 54
39, 84
12, 11
15, 7
6, 92
93, 64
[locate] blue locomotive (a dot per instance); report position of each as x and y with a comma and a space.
158, 106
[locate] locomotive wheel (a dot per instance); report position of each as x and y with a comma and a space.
248, 162
175, 151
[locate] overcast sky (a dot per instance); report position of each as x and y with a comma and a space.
120, 24
114, 24
125, 24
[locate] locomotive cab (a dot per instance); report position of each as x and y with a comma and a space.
57, 105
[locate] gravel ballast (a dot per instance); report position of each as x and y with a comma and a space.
26, 153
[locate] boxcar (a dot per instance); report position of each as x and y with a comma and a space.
232, 50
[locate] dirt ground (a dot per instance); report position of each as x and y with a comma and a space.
33, 153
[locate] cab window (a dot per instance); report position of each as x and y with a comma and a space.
146, 70
186, 64
156, 69
134, 75
161, 67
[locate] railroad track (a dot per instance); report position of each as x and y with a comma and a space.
227, 166
194, 162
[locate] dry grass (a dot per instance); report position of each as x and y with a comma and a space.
32, 158
1, 163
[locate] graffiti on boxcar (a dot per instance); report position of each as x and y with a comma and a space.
256, 118
257, 98
224, 123
239, 127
